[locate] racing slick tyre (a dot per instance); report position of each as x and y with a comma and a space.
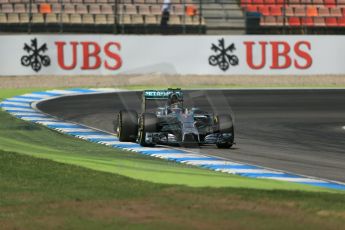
147, 123
225, 125
127, 126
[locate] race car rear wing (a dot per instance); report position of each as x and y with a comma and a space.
159, 95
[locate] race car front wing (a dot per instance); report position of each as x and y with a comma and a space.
168, 138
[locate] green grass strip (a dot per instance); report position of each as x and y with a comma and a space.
42, 194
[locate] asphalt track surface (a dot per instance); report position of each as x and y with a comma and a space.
299, 131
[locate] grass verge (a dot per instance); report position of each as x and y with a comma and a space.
42, 194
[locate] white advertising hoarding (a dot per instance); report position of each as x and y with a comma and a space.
218, 55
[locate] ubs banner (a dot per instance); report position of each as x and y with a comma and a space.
111, 54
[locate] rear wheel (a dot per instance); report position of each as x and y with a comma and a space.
127, 125
147, 123
225, 126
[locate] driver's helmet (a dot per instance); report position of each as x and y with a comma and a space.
173, 100
174, 103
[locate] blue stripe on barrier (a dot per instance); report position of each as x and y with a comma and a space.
192, 159
16, 101
326, 185
64, 126
70, 134
85, 134
31, 98
33, 116
83, 90
37, 120
283, 175
19, 111
46, 93
231, 167
127, 146
19, 100
168, 151
100, 139
15, 106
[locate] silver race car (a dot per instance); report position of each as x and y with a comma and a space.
173, 123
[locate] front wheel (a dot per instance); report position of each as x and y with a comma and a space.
127, 126
225, 127
147, 124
